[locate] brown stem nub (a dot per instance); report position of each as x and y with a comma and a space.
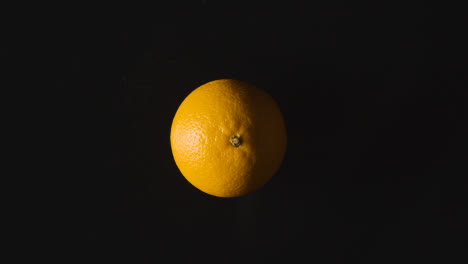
235, 141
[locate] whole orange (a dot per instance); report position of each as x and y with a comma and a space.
228, 138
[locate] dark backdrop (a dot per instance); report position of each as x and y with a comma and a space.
373, 120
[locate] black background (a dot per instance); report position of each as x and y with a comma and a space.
371, 98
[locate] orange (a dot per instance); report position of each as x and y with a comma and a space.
228, 138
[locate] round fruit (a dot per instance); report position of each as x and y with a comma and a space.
228, 138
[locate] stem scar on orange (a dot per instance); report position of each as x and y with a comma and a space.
228, 138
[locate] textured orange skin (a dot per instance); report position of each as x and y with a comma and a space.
203, 126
